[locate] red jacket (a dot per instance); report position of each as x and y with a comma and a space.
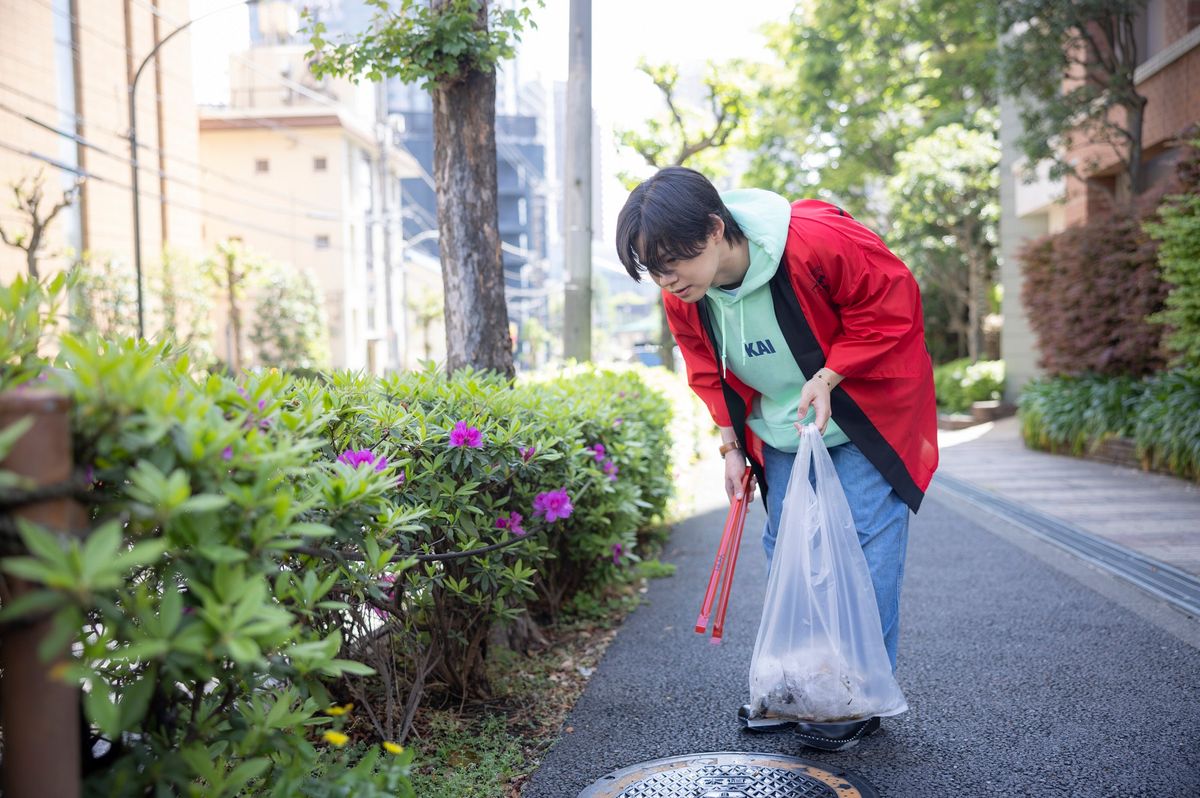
844, 301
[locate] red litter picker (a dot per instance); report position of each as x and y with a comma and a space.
723, 565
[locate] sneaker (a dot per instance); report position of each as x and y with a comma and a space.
835, 736
761, 724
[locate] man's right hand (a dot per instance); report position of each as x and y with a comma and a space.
735, 467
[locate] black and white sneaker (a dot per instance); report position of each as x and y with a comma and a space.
761, 725
835, 736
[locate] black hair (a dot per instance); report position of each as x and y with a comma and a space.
668, 217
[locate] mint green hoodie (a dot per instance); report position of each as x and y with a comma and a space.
751, 344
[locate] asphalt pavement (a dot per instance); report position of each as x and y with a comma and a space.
1026, 673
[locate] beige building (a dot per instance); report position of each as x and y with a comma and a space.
65, 68
317, 173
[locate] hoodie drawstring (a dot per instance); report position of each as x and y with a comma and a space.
724, 337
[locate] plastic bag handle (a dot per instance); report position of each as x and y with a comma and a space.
806, 459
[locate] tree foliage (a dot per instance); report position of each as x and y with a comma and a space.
289, 327
686, 132
1070, 66
944, 206
422, 42
861, 80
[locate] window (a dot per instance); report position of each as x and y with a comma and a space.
262, 166
321, 242
319, 164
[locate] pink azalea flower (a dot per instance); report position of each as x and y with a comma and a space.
553, 505
611, 469
511, 522
597, 451
527, 453
618, 550
386, 579
227, 453
462, 435
355, 458
618, 422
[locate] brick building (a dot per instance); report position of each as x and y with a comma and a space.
1168, 76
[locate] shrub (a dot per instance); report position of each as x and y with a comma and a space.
1178, 231
268, 548
960, 383
1076, 414
1088, 291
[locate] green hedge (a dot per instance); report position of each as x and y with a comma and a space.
959, 383
1160, 413
269, 550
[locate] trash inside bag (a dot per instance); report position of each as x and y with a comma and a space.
820, 654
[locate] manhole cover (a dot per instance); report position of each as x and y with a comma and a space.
730, 775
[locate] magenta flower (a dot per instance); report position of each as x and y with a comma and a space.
618, 422
597, 451
553, 505
227, 453
511, 522
262, 403
527, 453
462, 435
618, 550
611, 469
386, 579
355, 458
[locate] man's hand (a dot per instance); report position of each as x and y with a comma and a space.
815, 394
735, 466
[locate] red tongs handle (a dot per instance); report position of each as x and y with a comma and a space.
726, 551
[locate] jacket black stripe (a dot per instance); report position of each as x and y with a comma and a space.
846, 412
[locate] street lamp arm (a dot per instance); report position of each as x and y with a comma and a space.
133, 155
180, 29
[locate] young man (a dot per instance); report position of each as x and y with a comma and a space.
792, 313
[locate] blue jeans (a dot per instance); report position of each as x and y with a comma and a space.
880, 516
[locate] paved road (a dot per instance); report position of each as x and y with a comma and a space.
1026, 673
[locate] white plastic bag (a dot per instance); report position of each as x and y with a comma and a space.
820, 654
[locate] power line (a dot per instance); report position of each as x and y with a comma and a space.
321, 215
157, 197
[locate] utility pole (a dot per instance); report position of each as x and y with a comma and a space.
577, 304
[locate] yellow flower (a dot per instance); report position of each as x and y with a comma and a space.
392, 748
274, 370
336, 738
337, 711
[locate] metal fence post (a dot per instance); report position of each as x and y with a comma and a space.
39, 714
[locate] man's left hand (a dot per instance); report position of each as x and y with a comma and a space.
816, 394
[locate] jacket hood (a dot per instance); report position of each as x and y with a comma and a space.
764, 217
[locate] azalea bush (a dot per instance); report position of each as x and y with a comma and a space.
281, 568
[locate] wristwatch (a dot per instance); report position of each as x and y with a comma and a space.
726, 448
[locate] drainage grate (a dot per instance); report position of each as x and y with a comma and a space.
1175, 586
730, 775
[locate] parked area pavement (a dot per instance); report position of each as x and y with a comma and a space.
1027, 671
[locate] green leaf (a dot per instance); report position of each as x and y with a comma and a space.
204, 503
101, 710
13, 433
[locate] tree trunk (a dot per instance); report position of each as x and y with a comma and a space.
464, 162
